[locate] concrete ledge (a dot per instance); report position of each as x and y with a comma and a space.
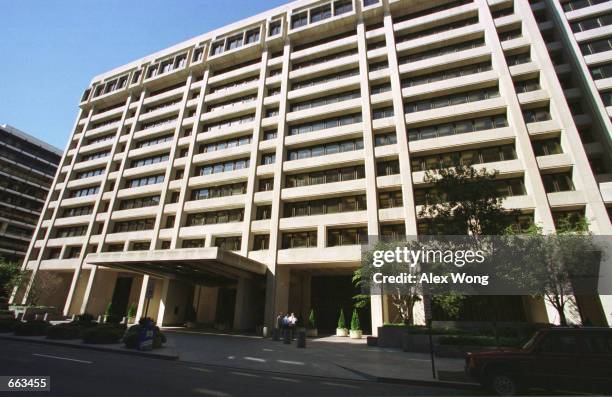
166, 353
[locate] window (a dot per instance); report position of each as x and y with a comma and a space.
592, 23
215, 217
326, 149
144, 181
195, 243
450, 100
320, 13
252, 36
266, 184
602, 71
94, 156
150, 160
275, 28
578, 4
223, 167
299, 239
139, 202
299, 20
88, 191
263, 212
325, 79
561, 182
342, 7
326, 100
77, 211
141, 246
465, 157
547, 147
458, 127
385, 168
233, 42
385, 139
73, 231
450, 49
390, 199
134, 225
367, 3
224, 144
527, 85
596, 46
572, 219
232, 189
437, 29
323, 59
380, 88
324, 124
382, 113
535, 115
347, 236
228, 243
518, 59
269, 135
269, 158
261, 242
90, 173
272, 112
325, 206
392, 232
217, 48
329, 176
606, 97
510, 34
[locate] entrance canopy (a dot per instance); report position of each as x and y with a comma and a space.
204, 266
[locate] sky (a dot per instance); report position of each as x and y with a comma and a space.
51, 49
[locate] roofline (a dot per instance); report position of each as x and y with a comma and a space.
206, 36
27, 137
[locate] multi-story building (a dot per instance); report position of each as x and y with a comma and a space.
27, 168
239, 171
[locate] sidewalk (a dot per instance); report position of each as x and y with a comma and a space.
328, 356
168, 352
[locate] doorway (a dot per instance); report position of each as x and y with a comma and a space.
121, 295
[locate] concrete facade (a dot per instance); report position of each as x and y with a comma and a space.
288, 136
27, 168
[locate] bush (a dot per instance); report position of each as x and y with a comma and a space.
63, 331
84, 320
477, 341
102, 334
311, 320
355, 325
31, 328
7, 325
341, 321
132, 334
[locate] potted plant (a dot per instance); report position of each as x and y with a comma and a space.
131, 314
356, 332
341, 329
312, 325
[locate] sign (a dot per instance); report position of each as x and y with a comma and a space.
146, 336
150, 289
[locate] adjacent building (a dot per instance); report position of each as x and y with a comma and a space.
236, 173
27, 169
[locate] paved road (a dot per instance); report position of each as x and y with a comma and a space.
79, 372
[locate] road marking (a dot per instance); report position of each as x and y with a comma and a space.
285, 379
209, 392
200, 369
63, 358
290, 362
259, 360
244, 374
339, 385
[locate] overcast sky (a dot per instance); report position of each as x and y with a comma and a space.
51, 49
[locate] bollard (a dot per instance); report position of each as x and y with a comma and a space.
46, 317
286, 337
265, 332
301, 340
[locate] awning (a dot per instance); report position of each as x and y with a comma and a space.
204, 266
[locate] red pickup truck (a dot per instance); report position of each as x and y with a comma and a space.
555, 359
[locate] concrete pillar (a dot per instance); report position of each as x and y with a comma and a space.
535, 310
376, 308
306, 300
142, 298
281, 297
163, 301
244, 316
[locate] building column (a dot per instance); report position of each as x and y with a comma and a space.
243, 310
142, 298
163, 300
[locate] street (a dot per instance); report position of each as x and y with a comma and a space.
79, 372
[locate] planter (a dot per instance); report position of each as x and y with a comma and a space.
391, 336
356, 334
341, 332
312, 332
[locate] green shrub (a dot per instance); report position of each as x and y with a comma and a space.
311, 320
7, 325
64, 331
355, 325
132, 310
341, 320
477, 341
84, 320
132, 334
102, 334
31, 328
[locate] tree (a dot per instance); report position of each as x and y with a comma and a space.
355, 325
341, 320
464, 200
311, 320
11, 275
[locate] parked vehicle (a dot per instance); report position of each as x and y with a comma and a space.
555, 359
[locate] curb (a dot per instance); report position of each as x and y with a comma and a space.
91, 347
415, 382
